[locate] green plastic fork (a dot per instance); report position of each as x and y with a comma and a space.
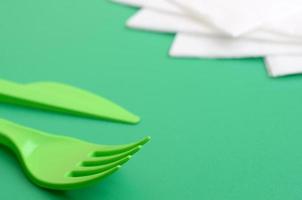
63, 163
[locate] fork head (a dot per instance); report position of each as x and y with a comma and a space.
64, 163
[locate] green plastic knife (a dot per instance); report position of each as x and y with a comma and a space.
63, 98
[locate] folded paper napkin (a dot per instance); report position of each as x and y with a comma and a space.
156, 20
236, 17
290, 26
283, 65
199, 37
190, 45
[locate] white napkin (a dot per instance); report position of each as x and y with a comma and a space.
193, 45
286, 26
290, 26
283, 65
155, 20
276, 65
236, 17
186, 45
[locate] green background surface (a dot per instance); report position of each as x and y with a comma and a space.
221, 129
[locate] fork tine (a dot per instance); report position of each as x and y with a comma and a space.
87, 170
96, 161
77, 182
120, 148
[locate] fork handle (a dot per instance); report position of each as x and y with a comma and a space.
13, 135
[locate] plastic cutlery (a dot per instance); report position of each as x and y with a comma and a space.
63, 98
63, 163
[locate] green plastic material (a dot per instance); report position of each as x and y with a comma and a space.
63, 163
63, 98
